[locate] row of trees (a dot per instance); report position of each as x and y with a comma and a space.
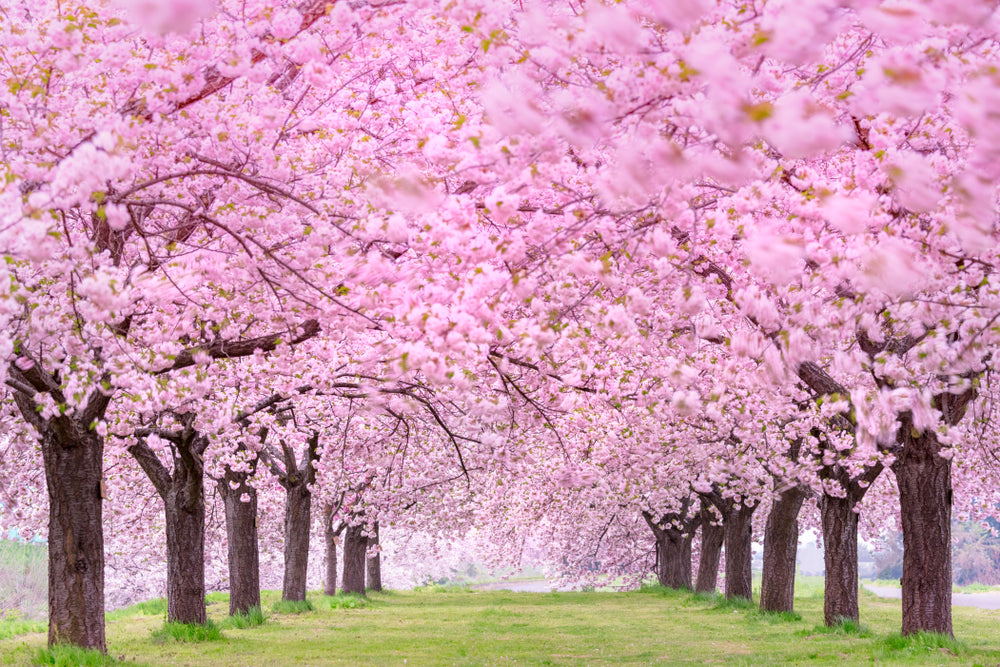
607, 271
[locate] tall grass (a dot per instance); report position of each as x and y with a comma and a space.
23, 580
292, 606
72, 656
188, 632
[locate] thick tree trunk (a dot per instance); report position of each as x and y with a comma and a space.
298, 502
673, 553
330, 534
183, 494
781, 540
241, 531
739, 551
840, 554
712, 537
73, 472
355, 544
185, 523
375, 562
924, 481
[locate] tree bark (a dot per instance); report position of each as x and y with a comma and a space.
298, 503
185, 523
925, 496
840, 555
781, 540
674, 554
712, 537
330, 533
739, 550
183, 494
241, 531
74, 457
375, 562
355, 544
673, 533
295, 477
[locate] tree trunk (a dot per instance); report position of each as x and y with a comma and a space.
183, 494
375, 562
712, 537
673, 553
355, 544
840, 554
241, 531
298, 501
330, 544
74, 457
924, 481
781, 540
185, 522
739, 551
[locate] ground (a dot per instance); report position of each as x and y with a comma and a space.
467, 627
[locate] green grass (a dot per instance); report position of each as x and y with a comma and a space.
292, 606
71, 656
341, 601
253, 617
154, 607
12, 626
650, 626
896, 647
846, 626
188, 632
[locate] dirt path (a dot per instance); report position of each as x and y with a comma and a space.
981, 600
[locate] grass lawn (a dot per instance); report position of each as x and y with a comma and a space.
463, 627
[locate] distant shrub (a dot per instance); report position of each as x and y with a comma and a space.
23, 580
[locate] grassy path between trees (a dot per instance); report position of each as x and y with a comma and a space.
465, 627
